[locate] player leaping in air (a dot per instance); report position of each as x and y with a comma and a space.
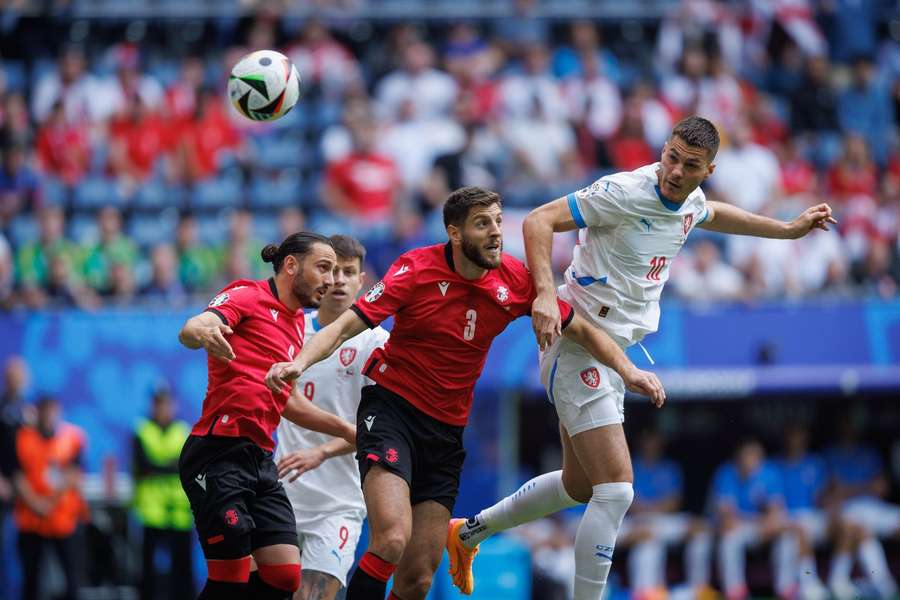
226, 468
449, 302
327, 499
631, 227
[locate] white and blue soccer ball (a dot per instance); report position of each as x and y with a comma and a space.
264, 85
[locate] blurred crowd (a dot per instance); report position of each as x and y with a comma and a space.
126, 177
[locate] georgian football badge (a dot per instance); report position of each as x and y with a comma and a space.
347, 355
502, 294
218, 300
591, 377
375, 293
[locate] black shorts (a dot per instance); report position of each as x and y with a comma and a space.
238, 503
394, 434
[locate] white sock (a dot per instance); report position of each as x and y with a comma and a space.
874, 563
539, 497
645, 564
731, 561
784, 557
697, 559
809, 577
596, 537
841, 565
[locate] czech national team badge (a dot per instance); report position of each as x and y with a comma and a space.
502, 294
376, 292
591, 377
347, 355
686, 222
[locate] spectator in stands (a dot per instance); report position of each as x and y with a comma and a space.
337, 142
290, 220
183, 96
20, 187
865, 108
82, 95
130, 81
851, 27
586, 42
681, 90
748, 501
707, 278
534, 85
878, 273
33, 259
365, 184
431, 92
328, 68
656, 118
654, 522
814, 112
859, 487
747, 175
121, 289
522, 28
49, 504
595, 106
138, 140
473, 62
164, 286
7, 275
628, 149
695, 22
198, 263
204, 139
63, 148
14, 413
855, 173
113, 247
160, 503
16, 121
242, 240
63, 289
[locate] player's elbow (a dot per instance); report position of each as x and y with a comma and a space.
537, 220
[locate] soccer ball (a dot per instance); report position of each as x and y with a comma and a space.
264, 85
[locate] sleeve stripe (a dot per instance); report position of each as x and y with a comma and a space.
703, 219
218, 314
363, 316
576, 212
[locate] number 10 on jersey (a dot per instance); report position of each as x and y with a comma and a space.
657, 264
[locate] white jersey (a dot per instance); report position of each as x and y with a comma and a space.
334, 384
629, 234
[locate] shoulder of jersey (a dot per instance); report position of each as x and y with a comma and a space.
426, 255
513, 266
241, 284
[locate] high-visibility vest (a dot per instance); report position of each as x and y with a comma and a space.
159, 500
42, 461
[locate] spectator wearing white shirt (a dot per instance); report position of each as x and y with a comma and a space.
707, 278
430, 92
81, 93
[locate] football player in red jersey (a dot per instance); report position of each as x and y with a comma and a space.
226, 468
449, 302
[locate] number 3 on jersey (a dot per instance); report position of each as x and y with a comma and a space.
469, 331
657, 264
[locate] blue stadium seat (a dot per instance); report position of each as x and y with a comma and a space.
280, 153
154, 195
222, 192
212, 229
16, 75
23, 230
148, 230
279, 192
54, 192
96, 192
82, 228
265, 227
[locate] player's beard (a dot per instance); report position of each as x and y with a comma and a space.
473, 253
306, 294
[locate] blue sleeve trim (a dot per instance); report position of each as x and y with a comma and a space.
576, 212
705, 216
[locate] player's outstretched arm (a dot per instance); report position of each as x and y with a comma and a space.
727, 218
207, 330
604, 349
538, 229
323, 345
306, 459
304, 413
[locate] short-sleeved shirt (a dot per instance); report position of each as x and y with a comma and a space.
443, 327
237, 402
657, 481
367, 180
855, 465
803, 481
750, 495
629, 234
334, 385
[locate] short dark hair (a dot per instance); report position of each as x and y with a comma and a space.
699, 133
346, 247
297, 243
458, 203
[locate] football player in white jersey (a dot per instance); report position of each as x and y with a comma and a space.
327, 499
631, 225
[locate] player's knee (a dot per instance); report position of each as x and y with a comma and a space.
283, 577
616, 496
390, 544
229, 571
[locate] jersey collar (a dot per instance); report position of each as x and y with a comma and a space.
273, 288
448, 255
315, 322
673, 206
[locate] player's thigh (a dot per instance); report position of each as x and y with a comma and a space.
574, 478
412, 579
387, 504
273, 517
603, 454
328, 544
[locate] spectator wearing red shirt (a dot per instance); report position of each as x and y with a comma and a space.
629, 148
204, 138
138, 139
63, 148
855, 173
364, 184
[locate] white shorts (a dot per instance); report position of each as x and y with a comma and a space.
668, 528
328, 543
879, 517
813, 521
586, 393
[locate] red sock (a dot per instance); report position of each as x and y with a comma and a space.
370, 578
377, 567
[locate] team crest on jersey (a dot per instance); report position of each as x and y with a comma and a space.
591, 377
391, 455
219, 300
231, 517
347, 355
686, 222
502, 294
375, 293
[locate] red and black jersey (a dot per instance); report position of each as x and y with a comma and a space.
237, 402
443, 327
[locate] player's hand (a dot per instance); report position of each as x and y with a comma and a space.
280, 374
646, 383
300, 461
215, 343
545, 320
814, 217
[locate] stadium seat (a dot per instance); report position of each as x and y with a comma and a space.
54, 192
279, 192
280, 153
23, 230
95, 192
15, 76
222, 192
82, 228
265, 227
212, 228
147, 230
155, 195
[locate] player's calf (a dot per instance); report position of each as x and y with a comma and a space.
596, 537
